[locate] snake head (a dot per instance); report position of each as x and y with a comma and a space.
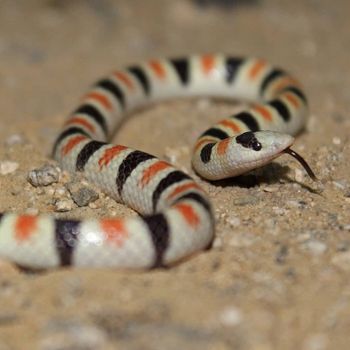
260, 148
256, 149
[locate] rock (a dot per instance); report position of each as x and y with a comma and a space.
81, 194
44, 176
63, 205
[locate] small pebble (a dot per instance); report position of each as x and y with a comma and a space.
44, 176
279, 211
63, 205
315, 247
270, 188
233, 221
336, 140
299, 175
82, 195
60, 192
231, 316
93, 205
8, 167
15, 139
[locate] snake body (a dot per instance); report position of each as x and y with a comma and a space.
176, 215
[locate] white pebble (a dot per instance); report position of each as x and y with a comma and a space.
63, 205
60, 192
316, 247
279, 211
299, 175
231, 316
336, 140
8, 167
234, 221
270, 188
93, 205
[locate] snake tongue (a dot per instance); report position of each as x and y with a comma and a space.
302, 161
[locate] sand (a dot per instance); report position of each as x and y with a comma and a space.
277, 276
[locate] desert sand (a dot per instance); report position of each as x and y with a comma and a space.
278, 274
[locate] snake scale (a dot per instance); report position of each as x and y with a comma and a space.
176, 217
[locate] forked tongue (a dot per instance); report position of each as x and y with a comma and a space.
302, 161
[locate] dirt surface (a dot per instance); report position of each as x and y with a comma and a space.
278, 275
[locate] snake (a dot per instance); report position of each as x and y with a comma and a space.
175, 218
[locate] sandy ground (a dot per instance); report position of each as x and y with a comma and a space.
278, 274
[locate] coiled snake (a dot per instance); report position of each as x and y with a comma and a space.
176, 216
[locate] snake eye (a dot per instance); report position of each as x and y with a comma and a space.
256, 145
249, 140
